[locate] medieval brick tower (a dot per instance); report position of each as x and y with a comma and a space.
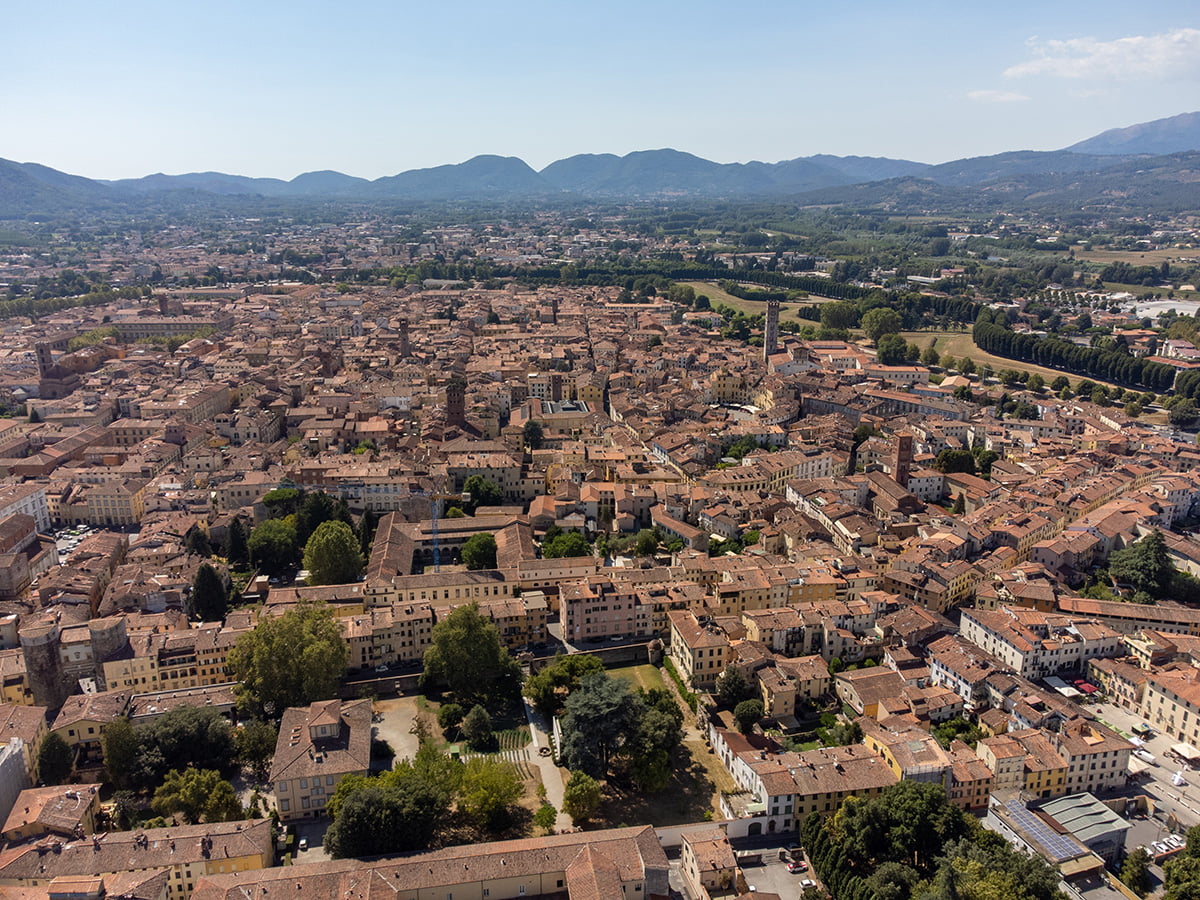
771, 331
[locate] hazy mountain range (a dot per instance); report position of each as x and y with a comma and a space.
1152, 166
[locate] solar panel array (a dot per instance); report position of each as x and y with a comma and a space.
1059, 847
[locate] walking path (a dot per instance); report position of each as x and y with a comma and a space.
539, 732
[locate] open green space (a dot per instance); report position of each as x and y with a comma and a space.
959, 344
647, 677
787, 311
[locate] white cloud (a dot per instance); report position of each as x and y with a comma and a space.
1173, 54
996, 96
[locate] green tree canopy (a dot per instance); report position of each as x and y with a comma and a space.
955, 461
331, 555
747, 713
483, 491
55, 759
891, 350
581, 797
281, 502
1145, 564
468, 657
549, 688
289, 660
489, 790
880, 321
255, 743
210, 597
601, 717
732, 687
532, 434
479, 551
477, 728
841, 314
570, 543
197, 794
236, 550
272, 546
400, 810
139, 756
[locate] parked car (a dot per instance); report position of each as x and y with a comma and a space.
807, 883
381, 668
1160, 848
303, 845
797, 866
1144, 755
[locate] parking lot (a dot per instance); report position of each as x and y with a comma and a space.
1180, 802
773, 875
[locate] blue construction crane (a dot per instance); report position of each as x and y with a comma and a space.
435, 498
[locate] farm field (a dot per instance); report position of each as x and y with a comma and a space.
1137, 257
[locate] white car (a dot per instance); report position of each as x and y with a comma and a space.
1144, 755
807, 883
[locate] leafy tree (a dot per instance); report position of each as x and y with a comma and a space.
316, 509
1146, 565
477, 728
196, 542
569, 544
289, 660
960, 504
984, 459
55, 759
929, 356
281, 502
880, 321
479, 551
331, 555
1182, 413
647, 542
483, 491
955, 461
957, 729
366, 532
236, 550
187, 737
489, 790
532, 434
747, 713
548, 688
272, 546
397, 812
840, 315
468, 657
1135, 872
581, 797
546, 817
255, 744
732, 687
120, 746
601, 716
210, 598
891, 350
197, 794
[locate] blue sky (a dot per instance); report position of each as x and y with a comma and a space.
125, 88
